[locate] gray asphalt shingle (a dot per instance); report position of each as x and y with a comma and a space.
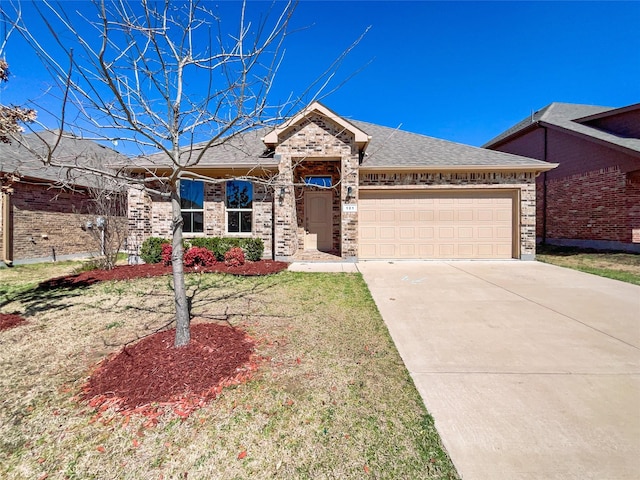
565, 116
21, 161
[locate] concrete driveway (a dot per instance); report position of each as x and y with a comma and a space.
530, 371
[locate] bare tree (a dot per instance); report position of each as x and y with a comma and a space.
106, 219
11, 116
164, 76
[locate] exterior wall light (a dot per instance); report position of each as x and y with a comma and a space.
349, 193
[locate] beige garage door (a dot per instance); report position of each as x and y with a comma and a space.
426, 224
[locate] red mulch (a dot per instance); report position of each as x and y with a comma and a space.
153, 373
10, 320
128, 272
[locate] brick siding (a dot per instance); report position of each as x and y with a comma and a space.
590, 196
150, 216
597, 205
316, 146
48, 223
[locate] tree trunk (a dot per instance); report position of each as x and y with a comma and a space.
183, 333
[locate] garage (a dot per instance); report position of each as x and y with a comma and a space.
427, 224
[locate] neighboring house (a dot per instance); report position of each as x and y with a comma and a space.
320, 182
593, 198
46, 211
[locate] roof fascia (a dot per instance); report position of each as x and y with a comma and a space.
463, 168
599, 141
361, 138
211, 169
608, 113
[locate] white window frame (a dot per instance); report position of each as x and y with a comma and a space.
192, 210
238, 211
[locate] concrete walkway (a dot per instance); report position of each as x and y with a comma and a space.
530, 371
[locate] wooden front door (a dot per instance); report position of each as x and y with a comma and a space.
319, 219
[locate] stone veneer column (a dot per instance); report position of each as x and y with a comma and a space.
139, 215
528, 221
284, 211
349, 219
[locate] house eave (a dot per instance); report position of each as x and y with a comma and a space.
461, 168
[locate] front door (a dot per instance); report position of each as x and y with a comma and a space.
319, 219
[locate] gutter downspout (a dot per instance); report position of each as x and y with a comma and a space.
7, 229
544, 192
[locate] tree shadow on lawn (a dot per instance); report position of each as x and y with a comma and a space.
50, 295
53, 294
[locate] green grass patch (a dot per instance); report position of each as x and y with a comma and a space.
619, 266
332, 398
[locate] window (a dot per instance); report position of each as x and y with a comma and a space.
318, 181
239, 206
192, 205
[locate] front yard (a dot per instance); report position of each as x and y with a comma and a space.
620, 266
331, 398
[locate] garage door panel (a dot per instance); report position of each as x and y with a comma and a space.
425, 216
465, 215
503, 232
421, 224
407, 216
407, 250
425, 233
388, 216
368, 233
446, 233
406, 233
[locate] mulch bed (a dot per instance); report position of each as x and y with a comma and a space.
129, 272
10, 320
153, 374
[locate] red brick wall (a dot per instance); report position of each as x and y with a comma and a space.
591, 206
589, 195
47, 220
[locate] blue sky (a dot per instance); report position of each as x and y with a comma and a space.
461, 71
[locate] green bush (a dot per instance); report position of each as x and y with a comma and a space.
210, 243
151, 250
223, 246
253, 248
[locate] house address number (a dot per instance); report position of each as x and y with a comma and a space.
349, 208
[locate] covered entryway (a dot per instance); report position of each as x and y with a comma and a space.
428, 224
318, 212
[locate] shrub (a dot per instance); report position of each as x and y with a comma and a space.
199, 256
210, 243
224, 245
234, 257
151, 250
167, 252
253, 248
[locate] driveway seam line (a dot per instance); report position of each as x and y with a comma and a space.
543, 306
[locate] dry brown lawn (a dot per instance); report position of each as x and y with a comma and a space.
331, 400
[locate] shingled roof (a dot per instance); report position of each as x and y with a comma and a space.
394, 148
388, 148
240, 151
16, 159
571, 118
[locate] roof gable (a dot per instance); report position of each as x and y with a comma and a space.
574, 119
275, 136
624, 122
